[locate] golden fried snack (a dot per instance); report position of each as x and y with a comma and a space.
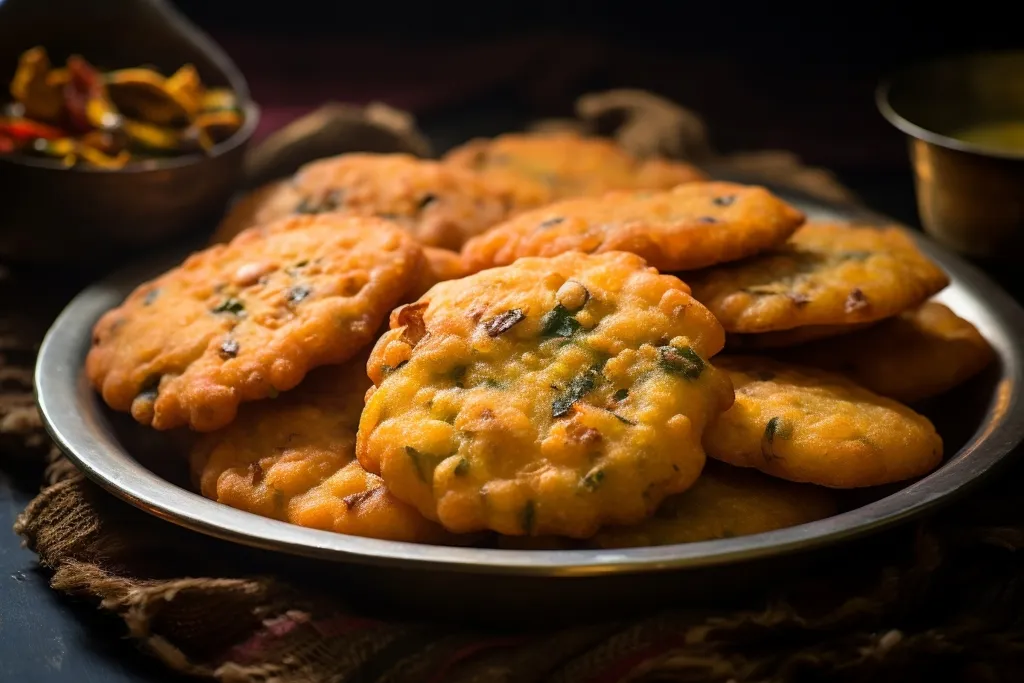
246, 320
827, 274
567, 164
691, 226
725, 502
293, 459
924, 352
551, 396
438, 266
439, 205
808, 425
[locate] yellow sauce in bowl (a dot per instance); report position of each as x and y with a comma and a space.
1001, 135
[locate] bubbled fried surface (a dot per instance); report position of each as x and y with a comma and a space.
921, 353
243, 321
293, 459
691, 226
826, 274
808, 425
439, 205
724, 503
547, 397
567, 164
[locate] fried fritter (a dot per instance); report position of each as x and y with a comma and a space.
293, 458
567, 164
922, 353
796, 336
551, 396
439, 205
692, 226
438, 266
808, 425
826, 274
243, 321
725, 502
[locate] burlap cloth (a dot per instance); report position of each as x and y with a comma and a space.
949, 607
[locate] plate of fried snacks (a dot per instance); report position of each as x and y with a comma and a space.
537, 357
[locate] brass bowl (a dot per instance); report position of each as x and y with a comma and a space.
970, 197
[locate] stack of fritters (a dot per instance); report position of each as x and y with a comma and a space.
546, 373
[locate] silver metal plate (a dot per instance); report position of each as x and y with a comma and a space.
115, 453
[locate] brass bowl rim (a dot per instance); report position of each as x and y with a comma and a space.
882, 96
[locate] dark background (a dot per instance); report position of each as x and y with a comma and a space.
763, 76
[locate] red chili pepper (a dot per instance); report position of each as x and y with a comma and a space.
83, 86
26, 129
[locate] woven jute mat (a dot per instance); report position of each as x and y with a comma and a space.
950, 606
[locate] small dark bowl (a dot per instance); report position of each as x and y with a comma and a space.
92, 217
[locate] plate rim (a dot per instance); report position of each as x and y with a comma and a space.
89, 442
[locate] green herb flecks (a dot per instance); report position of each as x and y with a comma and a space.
419, 462
581, 385
776, 428
621, 395
389, 369
150, 297
559, 322
680, 361
624, 420
230, 305
529, 517
593, 480
462, 469
504, 322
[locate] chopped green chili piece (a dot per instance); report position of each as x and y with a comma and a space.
230, 305
580, 386
680, 361
775, 429
621, 394
462, 468
559, 323
417, 462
